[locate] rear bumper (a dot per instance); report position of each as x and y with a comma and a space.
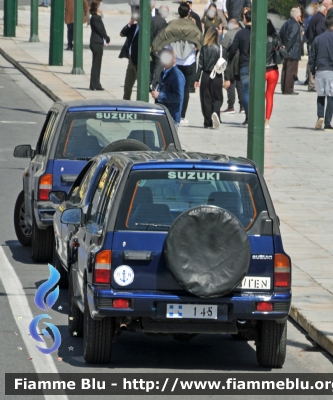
152, 305
44, 211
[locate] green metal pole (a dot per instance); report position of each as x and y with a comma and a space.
144, 51
57, 32
9, 19
16, 12
78, 38
256, 127
34, 21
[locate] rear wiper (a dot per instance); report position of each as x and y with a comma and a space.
151, 224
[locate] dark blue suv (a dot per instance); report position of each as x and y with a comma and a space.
174, 243
73, 133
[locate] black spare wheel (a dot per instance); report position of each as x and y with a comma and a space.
125, 145
207, 251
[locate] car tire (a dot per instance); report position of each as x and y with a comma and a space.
207, 251
97, 338
42, 243
75, 316
125, 145
272, 344
22, 229
240, 336
63, 281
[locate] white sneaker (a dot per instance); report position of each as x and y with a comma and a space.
267, 126
216, 120
183, 121
319, 123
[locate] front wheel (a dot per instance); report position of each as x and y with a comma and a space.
22, 229
98, 337
272, 344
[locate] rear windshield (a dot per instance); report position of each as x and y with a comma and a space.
85, 134
154, 199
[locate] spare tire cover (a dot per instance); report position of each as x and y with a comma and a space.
207, 251
125, 145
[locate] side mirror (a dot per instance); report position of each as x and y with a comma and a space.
72, 216
23, 151
57, 197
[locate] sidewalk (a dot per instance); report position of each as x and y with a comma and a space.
298, 159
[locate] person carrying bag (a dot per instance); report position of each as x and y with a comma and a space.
210, 69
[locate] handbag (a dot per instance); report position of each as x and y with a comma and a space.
279, 55
220, 66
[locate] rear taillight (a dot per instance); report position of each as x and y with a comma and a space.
45, 186
264, 306
120, 303
282, 271
102, 274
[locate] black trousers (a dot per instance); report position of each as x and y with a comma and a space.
189, 72
70, 35
211, 97
97, 53
235, 85
289, 75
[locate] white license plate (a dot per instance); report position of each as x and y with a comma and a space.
253, 282
205, 311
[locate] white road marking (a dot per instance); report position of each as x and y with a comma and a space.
20, 308
18, 122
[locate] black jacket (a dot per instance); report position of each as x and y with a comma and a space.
242, 43
157, 24
197, 19
316, 26
207, 59
321, 54
98, 32
131, 40
290, 35
235, 8
273, 42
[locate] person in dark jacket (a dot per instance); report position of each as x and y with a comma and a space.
242, 43
272, 70
158, 23
130, 50
321, 66
235, 8
193, 15
211, 96
290, 34
170, 91
98, 38
235, 84
315, 28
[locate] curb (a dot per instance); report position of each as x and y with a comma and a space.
25, 72
314, 333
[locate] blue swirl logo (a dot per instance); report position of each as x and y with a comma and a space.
45, 304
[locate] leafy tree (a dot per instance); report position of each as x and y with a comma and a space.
282, 7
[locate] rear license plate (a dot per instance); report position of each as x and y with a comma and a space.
205, 311
253, 282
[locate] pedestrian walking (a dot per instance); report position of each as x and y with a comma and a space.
321, 66
174, 35
211, 96
235, 8
98, 39
193, 15
290, 34
170, 91
311, 10
130, 50
211, 19
272, 70
69, 20
235, 83
315, 28
241, 43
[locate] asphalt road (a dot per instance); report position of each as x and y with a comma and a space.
21, 118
